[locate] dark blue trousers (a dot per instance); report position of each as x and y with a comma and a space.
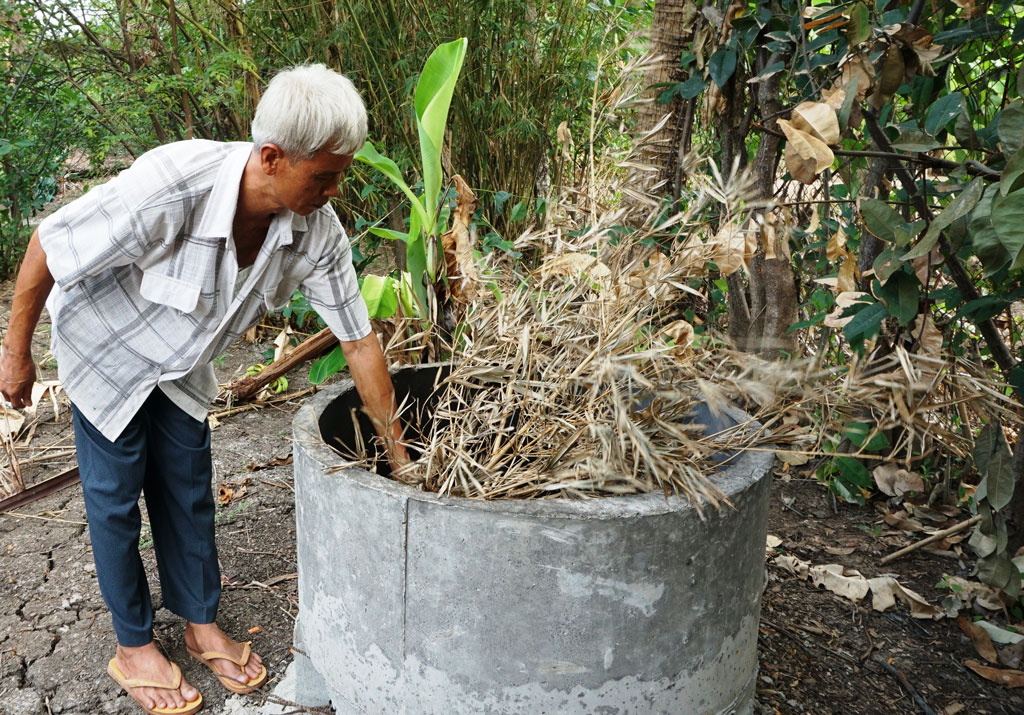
164, 454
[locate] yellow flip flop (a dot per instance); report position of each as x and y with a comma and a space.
129, 684
233, 684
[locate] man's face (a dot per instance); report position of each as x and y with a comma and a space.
304, 185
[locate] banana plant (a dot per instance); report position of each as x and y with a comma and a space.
433, 99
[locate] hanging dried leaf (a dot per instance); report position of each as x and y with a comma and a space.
565, 140
860, 68
968, 6
458, 246
890, 78
729, 248
848, 273
806, 155
836, 247
924, 265
680, 333
844, 300
818, 119
929, 336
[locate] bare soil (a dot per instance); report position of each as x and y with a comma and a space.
819, 653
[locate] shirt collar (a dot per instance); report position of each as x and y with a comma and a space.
220, 207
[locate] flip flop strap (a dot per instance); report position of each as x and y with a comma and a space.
143, 683
240, 661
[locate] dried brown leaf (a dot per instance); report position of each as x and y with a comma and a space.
1009, 678
980, 638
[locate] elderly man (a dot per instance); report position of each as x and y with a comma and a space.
157, 272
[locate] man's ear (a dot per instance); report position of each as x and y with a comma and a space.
270, 156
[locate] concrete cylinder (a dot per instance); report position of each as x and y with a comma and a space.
414, 604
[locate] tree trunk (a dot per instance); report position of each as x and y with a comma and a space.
760, 316
671, 32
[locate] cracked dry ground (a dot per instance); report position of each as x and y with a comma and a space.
55, 633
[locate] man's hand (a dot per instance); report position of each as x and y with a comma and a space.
373, 383
17, 371
17, 375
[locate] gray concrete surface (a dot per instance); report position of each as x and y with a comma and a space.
409, 603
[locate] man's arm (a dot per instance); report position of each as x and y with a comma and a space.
373, 383
17, 370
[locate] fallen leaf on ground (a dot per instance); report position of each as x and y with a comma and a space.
1009, 678
793, 459
11, 422
895, 481
980, 639
225, 494
851, 584
999, 635
255, 629
771, 543
837, 551
886, 590
1012, 656
279, 461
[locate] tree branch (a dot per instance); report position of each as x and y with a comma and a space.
1000, 352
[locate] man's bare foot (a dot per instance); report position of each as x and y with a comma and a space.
205, 637
148, 663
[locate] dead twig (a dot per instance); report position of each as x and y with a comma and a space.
937, 536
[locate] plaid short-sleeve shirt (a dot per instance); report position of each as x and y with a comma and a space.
145, 272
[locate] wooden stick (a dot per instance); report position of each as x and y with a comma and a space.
931, 539
245, 388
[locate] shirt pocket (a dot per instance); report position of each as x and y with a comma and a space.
167, 290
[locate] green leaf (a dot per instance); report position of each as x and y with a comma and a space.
380, 296
994, 460
942, 112
964, 132
433, 99
326, 366
844, 111
853, 471
1008, 221
691, 87
999, 570
388, 233
1010, 126
879, 218
369, 155
887, 263
901, 294
987, 246
1013, 174
721, 66
859, 28
859, 432
416, 264
865, 324
767, 72
965, 201
518, 212
844, 492
915, 140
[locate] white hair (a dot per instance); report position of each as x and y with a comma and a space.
309, 108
